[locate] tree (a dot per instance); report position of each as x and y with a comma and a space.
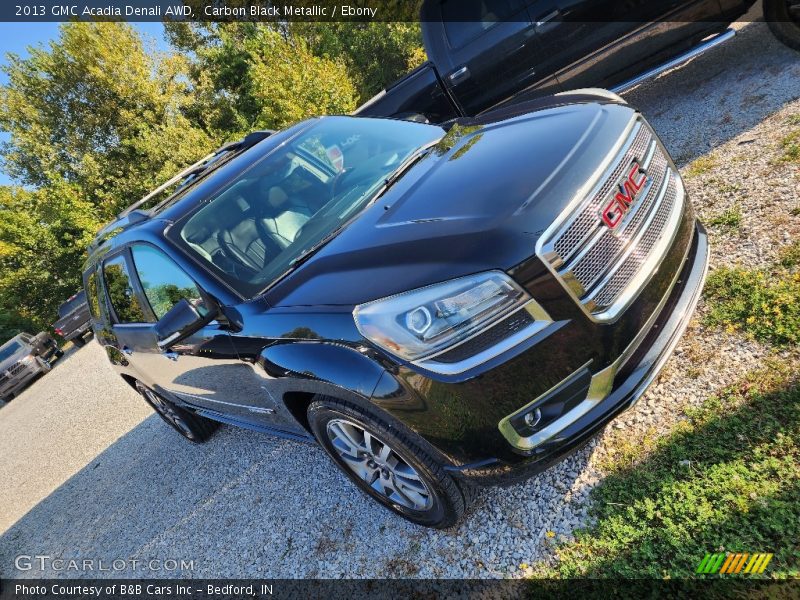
95, 110
376, 54
43, 239
248, 76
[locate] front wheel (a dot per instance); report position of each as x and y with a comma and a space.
387, 464
193, 427
783, 18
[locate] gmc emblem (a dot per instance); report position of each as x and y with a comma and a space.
630, 189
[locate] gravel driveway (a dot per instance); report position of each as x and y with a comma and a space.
88, 471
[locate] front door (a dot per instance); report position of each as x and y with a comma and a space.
203, 370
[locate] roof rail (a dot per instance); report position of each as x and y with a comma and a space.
251, 139
133, 215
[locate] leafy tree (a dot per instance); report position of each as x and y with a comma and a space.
94, 109
43, 237
11, 324
254, 75
376, 54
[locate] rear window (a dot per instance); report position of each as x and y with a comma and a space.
71, 304
465, 20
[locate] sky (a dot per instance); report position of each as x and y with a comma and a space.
16, 37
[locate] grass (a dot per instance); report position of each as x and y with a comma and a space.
790, 145
790, 255
730, 219
727, 476
726, 479
701, 165
762, 303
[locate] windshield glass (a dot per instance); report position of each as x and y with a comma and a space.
297, 196
9, 350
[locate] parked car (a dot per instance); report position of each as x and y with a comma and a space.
438, 306
74, 322
488, 53
22, 359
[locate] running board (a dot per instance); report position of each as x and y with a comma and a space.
696, 51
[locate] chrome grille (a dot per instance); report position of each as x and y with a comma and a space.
600, 267
16, 369
584, 221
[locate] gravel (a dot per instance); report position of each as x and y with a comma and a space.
89, 472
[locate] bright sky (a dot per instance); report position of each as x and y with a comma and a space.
16, 37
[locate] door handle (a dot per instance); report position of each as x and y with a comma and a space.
170, 355
126, 350
545, 22
458, 75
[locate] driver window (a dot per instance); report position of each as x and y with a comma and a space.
164, 283
120, 292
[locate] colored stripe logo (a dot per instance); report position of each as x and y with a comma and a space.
732, 563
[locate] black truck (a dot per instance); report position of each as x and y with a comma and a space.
487, 53
74, 320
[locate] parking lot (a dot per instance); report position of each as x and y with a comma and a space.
88, 471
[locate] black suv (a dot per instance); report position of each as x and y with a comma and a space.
438, 306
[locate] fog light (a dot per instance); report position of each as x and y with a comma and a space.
532, 418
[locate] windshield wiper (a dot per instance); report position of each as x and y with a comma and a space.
306, 254
412, 159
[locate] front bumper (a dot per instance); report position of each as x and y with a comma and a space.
629, 379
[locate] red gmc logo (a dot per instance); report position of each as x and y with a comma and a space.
630, 189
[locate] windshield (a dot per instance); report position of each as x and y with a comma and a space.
297, 196
9, 350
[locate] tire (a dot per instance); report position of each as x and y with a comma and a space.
784, 26
59, 353
79, 342
193, 427
426, 495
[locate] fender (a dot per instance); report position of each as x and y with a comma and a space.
321, 368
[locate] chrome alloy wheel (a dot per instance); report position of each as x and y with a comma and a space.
166, 410
381, 467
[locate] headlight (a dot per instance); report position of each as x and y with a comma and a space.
27, 360
416, 324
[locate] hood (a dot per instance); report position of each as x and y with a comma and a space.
478, 201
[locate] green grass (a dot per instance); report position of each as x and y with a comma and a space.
701, 165
790, 255
730, 219
790, 145
764, 304
726, 479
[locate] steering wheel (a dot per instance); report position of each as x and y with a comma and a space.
337, 179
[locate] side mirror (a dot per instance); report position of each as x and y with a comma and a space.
181, 321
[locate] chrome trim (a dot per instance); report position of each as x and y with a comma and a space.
541, 321
634, 228
675, 62
589, 190
603, 381
656, 255
507, 429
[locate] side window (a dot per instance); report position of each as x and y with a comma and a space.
164, 283
93, 293
120, 292
464, 20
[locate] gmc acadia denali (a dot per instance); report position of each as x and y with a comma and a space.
437, 306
